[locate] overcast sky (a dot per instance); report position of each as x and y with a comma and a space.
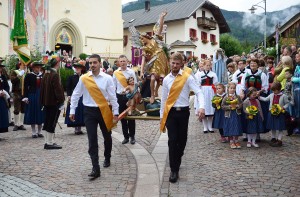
244, 5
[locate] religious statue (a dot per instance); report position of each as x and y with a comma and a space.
154, 55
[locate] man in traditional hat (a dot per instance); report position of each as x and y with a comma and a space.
17, 79
52, 98
33, 109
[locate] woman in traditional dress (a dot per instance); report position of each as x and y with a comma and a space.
4, 89
71, 84
33, 108
208, 79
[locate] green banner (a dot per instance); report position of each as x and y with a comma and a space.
19, 33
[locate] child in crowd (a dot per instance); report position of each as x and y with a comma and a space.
232, 105
288, 91
218, 119
279, 103
254, 117
231, 68
296, 93
207, 79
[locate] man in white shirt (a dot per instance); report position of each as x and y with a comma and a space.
93, 113
177, 118
123, 73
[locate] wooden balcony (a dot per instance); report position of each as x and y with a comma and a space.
206, 23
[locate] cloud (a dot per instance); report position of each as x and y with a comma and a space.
258, 21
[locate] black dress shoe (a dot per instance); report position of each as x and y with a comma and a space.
205, 131
11, 124
78, 133
53, 146
34, 136
106, 163
132, 140
211, 131
173, 177
94, 174
22, 127
125, 141
40, 135
16, 128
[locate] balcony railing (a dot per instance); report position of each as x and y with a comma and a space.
207, 23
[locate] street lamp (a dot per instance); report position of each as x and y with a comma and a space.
252, 9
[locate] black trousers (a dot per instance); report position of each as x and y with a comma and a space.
128, 126
93, 118
51, 118
177, 125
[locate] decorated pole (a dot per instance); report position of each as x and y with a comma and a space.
19, 34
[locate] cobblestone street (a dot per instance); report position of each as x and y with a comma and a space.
209, 168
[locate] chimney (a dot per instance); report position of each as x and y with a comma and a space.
147, 6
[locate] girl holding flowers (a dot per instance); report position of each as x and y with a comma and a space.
254, 117
279, 102
208, 80
218, 119
232, 105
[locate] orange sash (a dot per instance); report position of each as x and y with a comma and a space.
100, 100
173, 95
121, 78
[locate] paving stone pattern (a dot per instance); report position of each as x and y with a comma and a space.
211, 168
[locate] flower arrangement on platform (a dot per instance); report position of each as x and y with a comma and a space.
233, 103
204, 41
252, 111
216, 101
276, 109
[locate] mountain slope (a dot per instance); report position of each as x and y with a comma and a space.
246, 27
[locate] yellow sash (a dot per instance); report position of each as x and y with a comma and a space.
188, 70
121, 78
100, 100
173, 95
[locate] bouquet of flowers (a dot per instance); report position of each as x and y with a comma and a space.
233, 103
216, 101
252, 111
276, 109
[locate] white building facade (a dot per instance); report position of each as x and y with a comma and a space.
90, 26
194, 31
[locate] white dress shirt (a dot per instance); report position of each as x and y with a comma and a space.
183, 98
106, 86
127, 73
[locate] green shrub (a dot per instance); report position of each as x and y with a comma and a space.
64, 75
83, 56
